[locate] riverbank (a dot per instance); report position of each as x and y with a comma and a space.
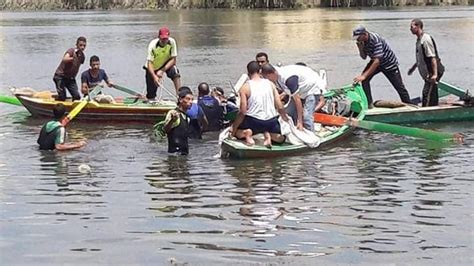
13, 5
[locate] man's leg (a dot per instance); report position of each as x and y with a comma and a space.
430, 94
291, 110
58, 82
308, 110
150, 86
73, 90
267, 142
395, 79
366, 84
245, 134
173, 74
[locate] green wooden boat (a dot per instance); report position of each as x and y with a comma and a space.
232, 148
459, 110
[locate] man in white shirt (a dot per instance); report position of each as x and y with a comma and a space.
259, 104
303, 85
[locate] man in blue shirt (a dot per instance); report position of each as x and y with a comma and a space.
382, 59
212, 109
93, 76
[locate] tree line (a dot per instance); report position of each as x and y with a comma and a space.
243, 4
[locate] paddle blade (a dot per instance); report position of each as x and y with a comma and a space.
9, 100
74, 112
127, 90
387, 128
330, 120
96, 90
407, 131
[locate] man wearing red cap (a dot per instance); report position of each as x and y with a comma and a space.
161, 59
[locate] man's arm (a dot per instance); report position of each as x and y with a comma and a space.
171, 117
412, 68
70, 145
84, 88
321, 103
299, 111
279, 104
84, 85
107, 80
369, 71
243, 93
68, 58
434, 66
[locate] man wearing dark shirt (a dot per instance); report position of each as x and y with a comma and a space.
93, 76
382, 59
65, 75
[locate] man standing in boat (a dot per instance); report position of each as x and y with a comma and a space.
161, 59
259, 108
302, 84
382, 59
65, 75
428, 63
93, 76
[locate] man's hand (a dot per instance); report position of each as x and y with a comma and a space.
81, 143
359, 78
433, 79
174, 116
79, 53
157, 80
299, 125
410, 71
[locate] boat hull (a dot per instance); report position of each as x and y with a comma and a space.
410, 114
237, 149
99, 111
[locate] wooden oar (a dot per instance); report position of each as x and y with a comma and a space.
388, 128
96, 90
10, 100
127, 90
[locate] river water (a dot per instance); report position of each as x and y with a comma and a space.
372, 199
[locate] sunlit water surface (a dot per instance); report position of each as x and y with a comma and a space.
372, 199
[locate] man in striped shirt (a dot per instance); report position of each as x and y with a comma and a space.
382, 59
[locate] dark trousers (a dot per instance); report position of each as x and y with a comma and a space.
151, 87
429, 94
395, 79
63, 83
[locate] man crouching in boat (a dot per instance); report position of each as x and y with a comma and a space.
53, 133
305, 87
259, 102
177, 123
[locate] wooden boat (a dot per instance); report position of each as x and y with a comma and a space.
459, 110
232, 148
42, 103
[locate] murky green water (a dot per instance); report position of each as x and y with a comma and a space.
372, 199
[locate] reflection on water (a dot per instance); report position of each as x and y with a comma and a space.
372, 199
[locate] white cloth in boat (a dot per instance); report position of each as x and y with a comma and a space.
296, 136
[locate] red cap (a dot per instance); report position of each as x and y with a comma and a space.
164, 33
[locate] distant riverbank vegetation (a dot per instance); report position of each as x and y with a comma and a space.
243, 4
